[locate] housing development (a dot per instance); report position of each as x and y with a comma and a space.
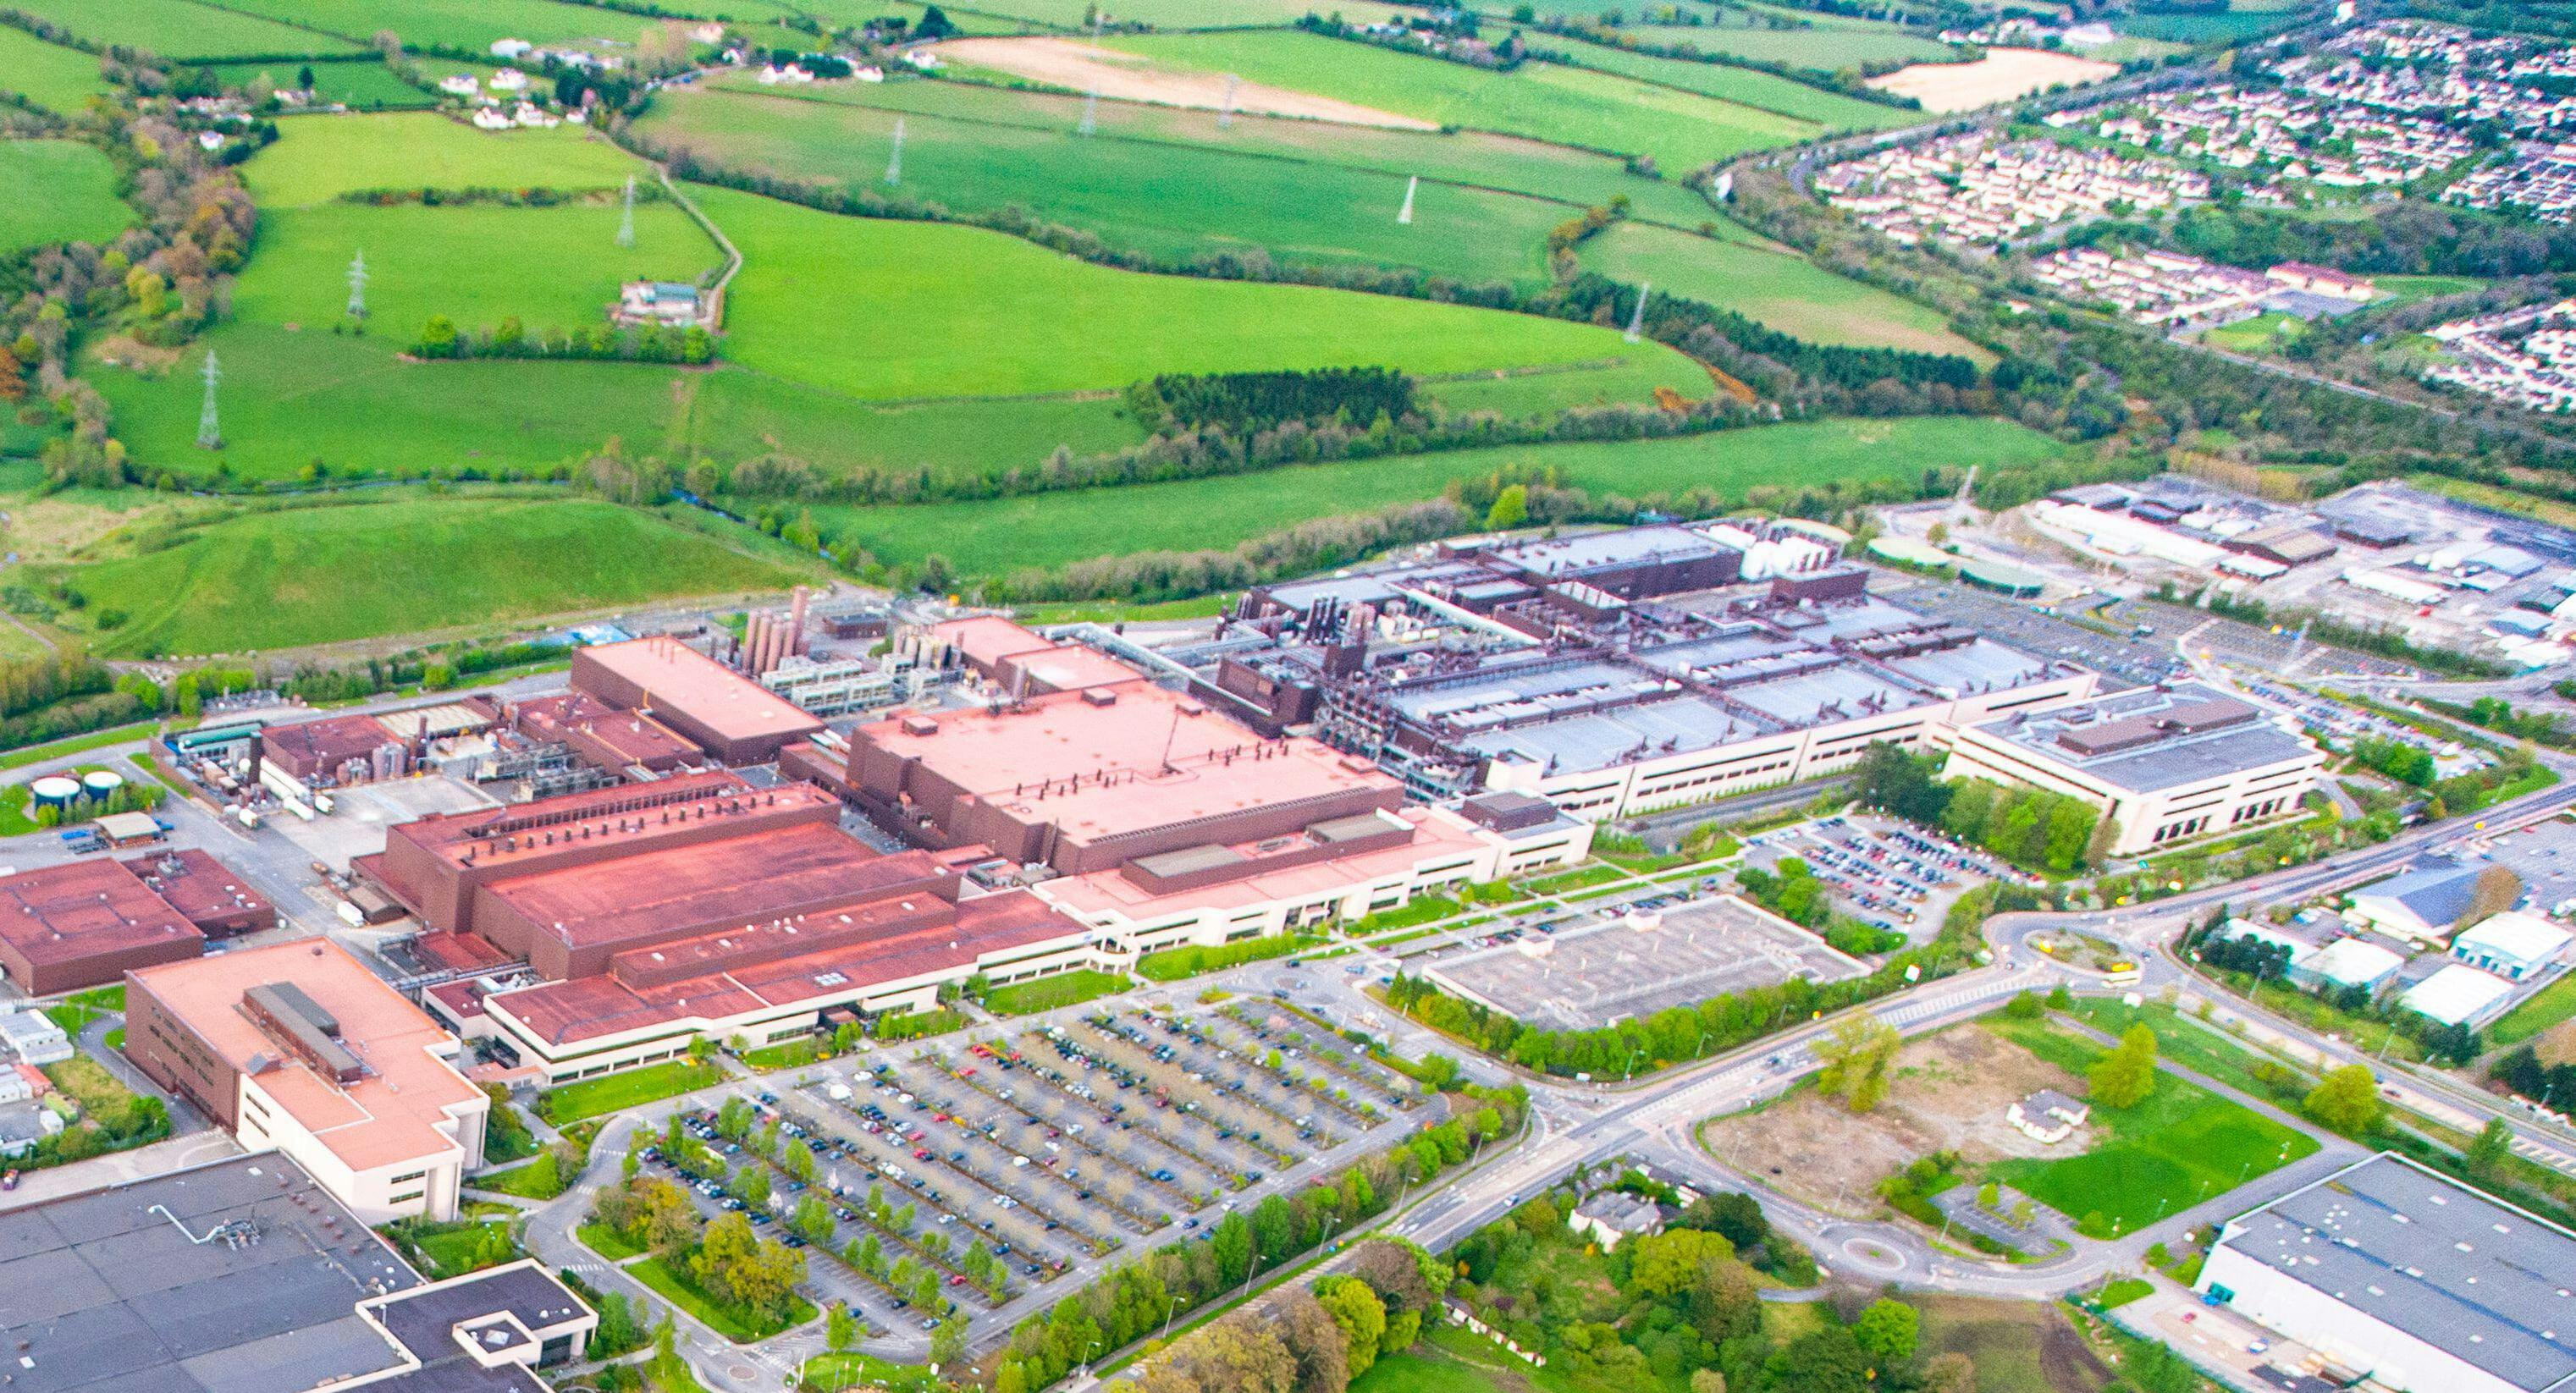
1208, 696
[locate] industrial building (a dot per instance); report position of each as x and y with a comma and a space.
86, 923
628, 744
2164, 764
2392, 1272
731, 717
245, 1276
613, 927
1340, 870
298, 1047
1087, 779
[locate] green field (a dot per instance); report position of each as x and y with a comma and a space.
470, 24
1826, 43
1508, 163
2260, 334
1753, 88
2236, 25
182, 29
624, 1089
1171, 202
896, 311
562, 269
733, 1322
2547, 1007
360, 86
323, 157
56, 78
2182, 1145
1680, 130
1050, 529
1172, 14
1773, 285
2399, 290
281, 579
59, 191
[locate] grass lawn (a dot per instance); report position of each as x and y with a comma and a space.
2260, 334
2399, 290
1046, 530
59, 191
321, 158
2182, 1145
607, 1242
1427, 1368
2121, 1291
1173, 964
1464, 157
786, 1054
1581, 877
1113, 611
59, 79
628, 1088
828, 1373
1773, 285
1177, 14
1165, 200
181, 29
927, 310
2192, 1046
452, 1250
537, 1180
75, 744
1680, 131
279, 579
2547, 1007
1048, 993
734, 1323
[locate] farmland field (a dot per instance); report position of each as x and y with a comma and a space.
182, 28
1779, 288
1753, 88
1050, 529
360, 86
1680, 130
1171, 202
59, 191
2235, 25
1466, 157
323, 157
1826, 43
1176, 14
926, 310
470, 24
314, 575
56, 78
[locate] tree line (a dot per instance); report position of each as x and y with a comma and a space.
1236, 401
2026, 826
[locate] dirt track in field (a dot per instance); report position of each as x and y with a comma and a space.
1083, 67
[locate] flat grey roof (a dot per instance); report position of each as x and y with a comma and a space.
1602, 739
1624, 545
2171, 761
1805, 699
109, 1296
2474, 1278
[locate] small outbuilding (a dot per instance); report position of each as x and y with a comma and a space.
2048, 1116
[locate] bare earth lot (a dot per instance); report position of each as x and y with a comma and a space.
1949, 1094
1083, 67
2000, 76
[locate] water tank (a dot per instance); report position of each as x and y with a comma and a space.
54, 790
99, 783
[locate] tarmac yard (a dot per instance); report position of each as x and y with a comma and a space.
1615, 966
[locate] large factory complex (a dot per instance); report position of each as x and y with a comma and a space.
674, 849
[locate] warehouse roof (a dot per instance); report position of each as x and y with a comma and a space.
391, 1112
327, 743
83, 909
2455, 995
2514, 934
201, 888
633, 736
496, 836
680, 679
2461, 1271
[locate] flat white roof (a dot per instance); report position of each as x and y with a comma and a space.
2455, 994
2515, 934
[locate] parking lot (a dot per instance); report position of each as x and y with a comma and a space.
1048, 1150
2252, 647
1886, 873
1604, 968
2129, 659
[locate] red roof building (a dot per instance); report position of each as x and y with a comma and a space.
604, 737
86, 924
732, 717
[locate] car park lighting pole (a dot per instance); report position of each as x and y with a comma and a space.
1168, 1310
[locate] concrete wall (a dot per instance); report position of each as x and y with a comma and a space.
177, 1058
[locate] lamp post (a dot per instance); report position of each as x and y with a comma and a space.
1168, 1312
